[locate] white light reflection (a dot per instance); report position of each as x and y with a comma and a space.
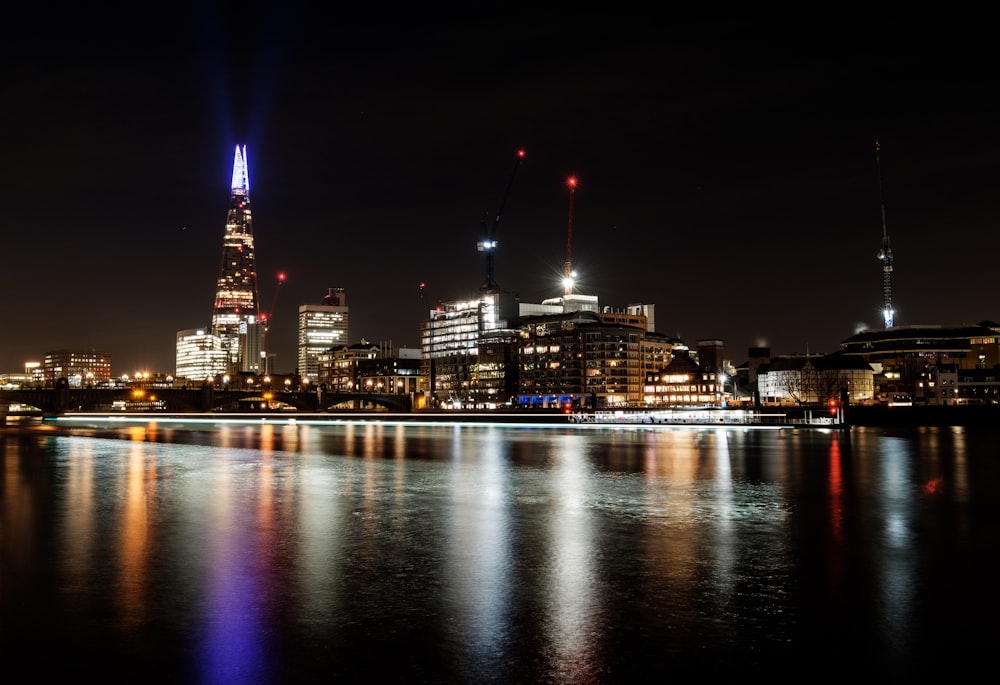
570, 619
898, 498
724, 548
480, 559
960, 487
320, 522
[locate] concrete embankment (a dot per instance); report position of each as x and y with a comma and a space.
986, 416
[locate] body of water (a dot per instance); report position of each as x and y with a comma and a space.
282, 552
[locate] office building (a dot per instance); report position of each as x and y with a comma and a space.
576, 359
322, 327
466, 348
199, 355
79, 367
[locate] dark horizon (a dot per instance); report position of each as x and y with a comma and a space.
726, 175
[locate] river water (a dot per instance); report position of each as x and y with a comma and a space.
284, 552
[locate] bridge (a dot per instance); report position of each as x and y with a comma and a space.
62, 399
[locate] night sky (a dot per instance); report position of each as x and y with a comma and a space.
727, 172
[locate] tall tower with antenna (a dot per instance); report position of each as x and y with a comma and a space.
885, 254
236, 318
568, 275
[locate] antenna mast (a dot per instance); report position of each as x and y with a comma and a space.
568, 276
885, 254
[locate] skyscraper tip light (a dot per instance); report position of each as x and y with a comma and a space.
241, 172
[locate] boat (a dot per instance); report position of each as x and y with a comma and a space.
712, 416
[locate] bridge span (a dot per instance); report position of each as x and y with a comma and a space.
63, 399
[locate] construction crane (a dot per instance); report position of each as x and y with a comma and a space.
569, 276
266, 318
488, 244
885, 254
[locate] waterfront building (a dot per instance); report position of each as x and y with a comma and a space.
199, 355
322, 327
236, 318
577, 359
496, 351
367, 368
467, 348
684, 382
79, 367
338, 366
33, 377
946, 384
816, 379
395, 373
907, 358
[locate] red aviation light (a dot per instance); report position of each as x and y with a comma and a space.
520, 154
571, 182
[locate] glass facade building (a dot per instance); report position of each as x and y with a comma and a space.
199, 355
322, 327
236, 316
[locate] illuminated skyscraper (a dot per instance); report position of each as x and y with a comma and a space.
199, 355
236, 317
321, 327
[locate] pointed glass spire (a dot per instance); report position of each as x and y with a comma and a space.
241, 174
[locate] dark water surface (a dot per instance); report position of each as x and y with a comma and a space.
370, 552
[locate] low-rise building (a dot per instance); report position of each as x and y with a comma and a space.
815, 379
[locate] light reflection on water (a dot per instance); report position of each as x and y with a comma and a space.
450, 553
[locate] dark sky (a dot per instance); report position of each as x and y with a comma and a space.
727, 172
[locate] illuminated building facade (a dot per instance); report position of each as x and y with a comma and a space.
33, 377
578, 359
816, 379
236, 317
683, 382
467, 350
566, 350
338, 366
79, 367
906, 359
199, 355
367, 368
322, 327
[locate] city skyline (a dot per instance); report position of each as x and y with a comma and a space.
731, 187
